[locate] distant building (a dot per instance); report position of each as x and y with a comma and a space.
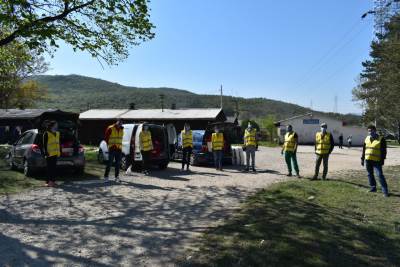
308, 124
13, 122
95, 121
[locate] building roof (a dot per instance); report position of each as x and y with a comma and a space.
102, 114
27, 113
153, 114
309, 114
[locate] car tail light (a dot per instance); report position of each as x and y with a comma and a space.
36, 149
81, 149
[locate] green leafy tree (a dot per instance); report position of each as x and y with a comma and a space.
379, 86
245, 123
104, 28
18, 63
268, 123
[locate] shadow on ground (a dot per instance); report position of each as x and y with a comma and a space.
88, 223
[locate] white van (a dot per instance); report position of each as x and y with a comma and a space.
163, 137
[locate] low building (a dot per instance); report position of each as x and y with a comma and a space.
95, 121
15, 121
308, 124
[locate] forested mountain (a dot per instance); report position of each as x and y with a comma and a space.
78, 93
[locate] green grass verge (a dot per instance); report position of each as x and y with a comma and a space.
15, 181
306, 223
268, 144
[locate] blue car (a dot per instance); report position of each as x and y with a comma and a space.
202, 154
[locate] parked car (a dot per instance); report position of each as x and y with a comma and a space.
160, 155
26, 152
202, 149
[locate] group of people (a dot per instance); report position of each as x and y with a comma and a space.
349, 141
373, 153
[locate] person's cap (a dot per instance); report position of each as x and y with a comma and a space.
324, 125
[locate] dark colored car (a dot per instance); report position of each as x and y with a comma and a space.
202, 155
26, 152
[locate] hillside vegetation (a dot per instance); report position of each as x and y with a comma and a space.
79, 93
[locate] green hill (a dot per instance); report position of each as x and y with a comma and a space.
78, 93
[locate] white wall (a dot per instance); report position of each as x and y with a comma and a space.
306, 132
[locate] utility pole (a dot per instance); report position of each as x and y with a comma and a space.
221, 97
162, 102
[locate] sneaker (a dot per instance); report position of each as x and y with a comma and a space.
298, 175
314, 178
372, 190
289, 174
254, 170
246, 170
386, 194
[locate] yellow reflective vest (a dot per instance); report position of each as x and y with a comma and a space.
53, 144
217, 141
373, 149
145, 141
115, 139
250, 138
187, 139
322, 143
290, 142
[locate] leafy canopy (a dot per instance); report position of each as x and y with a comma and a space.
104, 28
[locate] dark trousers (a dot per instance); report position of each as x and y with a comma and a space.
218, 156
291, 158
340, 144
186, 154
51, 168
321, 158
146, 160
113, 155
375, 165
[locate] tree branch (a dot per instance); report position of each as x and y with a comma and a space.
11, 37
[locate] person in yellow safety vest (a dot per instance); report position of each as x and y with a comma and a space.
250, 144
324, 145
146, 146
374, 155
52, 151
187, 146
113, 137
217, 144
290, 149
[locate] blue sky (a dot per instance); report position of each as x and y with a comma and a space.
298, 51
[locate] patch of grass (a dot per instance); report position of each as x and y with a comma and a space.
15, 181
268, 144
393, 143
306, 223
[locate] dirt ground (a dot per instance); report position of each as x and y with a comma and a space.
145, 220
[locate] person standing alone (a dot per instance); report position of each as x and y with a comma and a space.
52, 151
290, 150
146, 146
324, 145
217, 143
250, 143
373, 156
187, 146
113, 138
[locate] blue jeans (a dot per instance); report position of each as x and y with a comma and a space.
218, 156
371, 165
117, 155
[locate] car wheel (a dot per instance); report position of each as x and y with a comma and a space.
27, 169
100, 156
163, 166
80, 170
11, 164
124, 163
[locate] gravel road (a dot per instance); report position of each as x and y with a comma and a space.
145, 220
